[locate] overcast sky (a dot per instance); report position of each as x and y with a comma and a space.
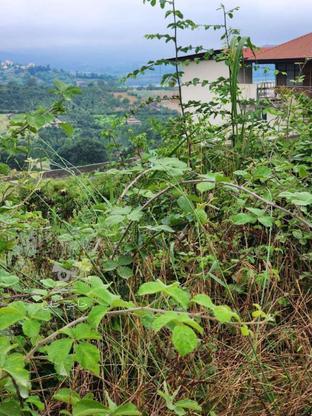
76, 30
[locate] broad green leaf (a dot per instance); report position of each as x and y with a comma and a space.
11, 314
58, 354
179, 295
5, 348
124, 272
172, 166
150, 288
164, 319
5, 244
50, 283
215, 177
266, 220
136, 215
84, 303
302, 170
256, 211
205, 186
185, 319
7, 279
114, 220
262, 173
10, 408
15, 366
124, 260
35, 400
88, 407
120, 303
184, 340
185, 204
110, 265
188, 404
224, 314
159, 228
31, 328
102, 295
124, 211
88, 357
67, 396
128, 409
201, 215
298, 198
96, 315
82, 331
203, 300
37, 120
245, 331
95, 290
175, 317
38, 311
174, 291
242, 173
59, 348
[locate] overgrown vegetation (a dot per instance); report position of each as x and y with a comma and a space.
176, 284
99, 113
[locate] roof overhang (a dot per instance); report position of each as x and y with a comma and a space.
202, 56
276, 61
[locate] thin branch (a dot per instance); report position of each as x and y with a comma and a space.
129, 186
130, 311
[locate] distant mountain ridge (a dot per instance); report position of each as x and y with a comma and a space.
31, 73
43, 74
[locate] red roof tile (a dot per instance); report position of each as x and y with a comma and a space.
299, 48
249, 54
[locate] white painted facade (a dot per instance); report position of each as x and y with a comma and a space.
204, 70
211, 70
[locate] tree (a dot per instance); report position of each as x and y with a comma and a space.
84, 151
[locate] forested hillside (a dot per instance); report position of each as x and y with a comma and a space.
178, 280
102, 102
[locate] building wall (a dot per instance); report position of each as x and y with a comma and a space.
288, 72
204, 70
211, 71
307, 72
291, 72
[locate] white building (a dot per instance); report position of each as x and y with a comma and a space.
289, 59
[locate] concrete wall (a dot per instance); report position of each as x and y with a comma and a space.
211, 71
204, 70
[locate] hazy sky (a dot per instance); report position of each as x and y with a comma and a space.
73, 31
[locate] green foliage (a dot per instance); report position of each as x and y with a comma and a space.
84, 151
184, 339
179, 407
191, 264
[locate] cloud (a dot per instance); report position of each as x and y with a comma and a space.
120, 25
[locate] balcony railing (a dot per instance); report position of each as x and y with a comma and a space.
271, 91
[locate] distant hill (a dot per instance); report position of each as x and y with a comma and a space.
32, 74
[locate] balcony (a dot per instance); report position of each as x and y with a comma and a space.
270, 91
